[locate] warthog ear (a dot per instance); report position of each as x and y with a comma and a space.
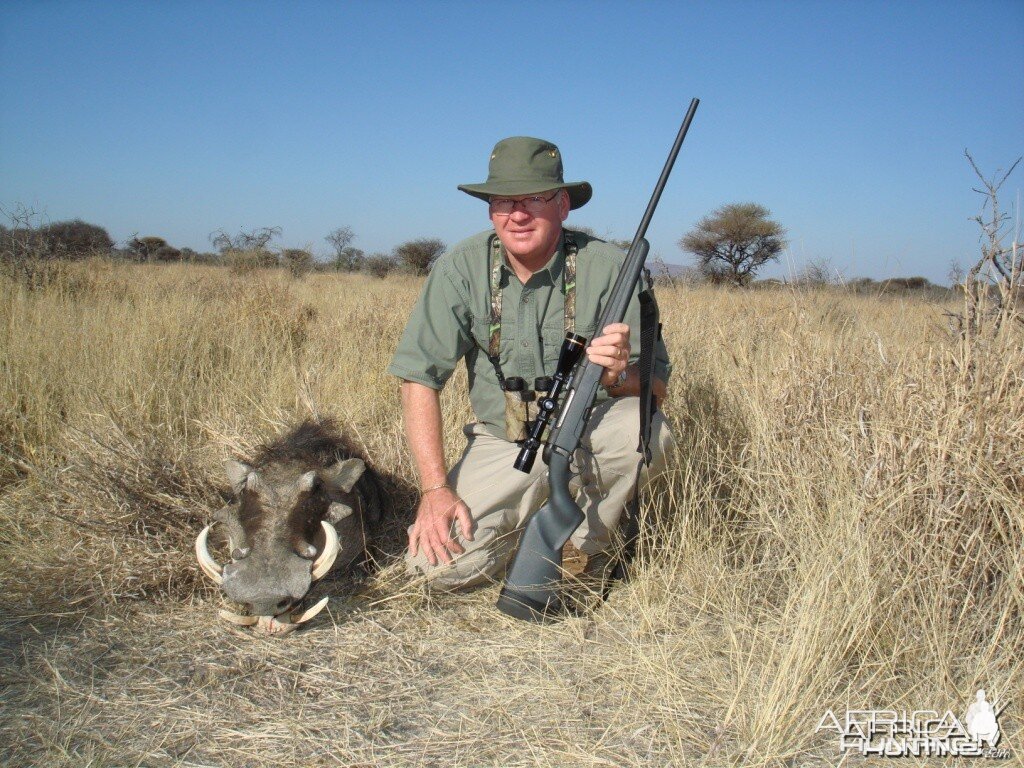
237, 473
337, 511
344, 474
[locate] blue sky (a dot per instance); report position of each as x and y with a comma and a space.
847, 119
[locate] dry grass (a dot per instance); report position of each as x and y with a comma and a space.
842, 529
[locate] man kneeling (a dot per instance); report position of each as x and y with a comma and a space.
503, 300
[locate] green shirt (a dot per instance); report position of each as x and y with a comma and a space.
451, 318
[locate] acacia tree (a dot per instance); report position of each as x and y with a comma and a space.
346, 257
246, 250
732, 242
420, 254
253, 240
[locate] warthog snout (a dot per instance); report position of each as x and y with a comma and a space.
269, 584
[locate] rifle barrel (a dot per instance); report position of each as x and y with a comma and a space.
663, 179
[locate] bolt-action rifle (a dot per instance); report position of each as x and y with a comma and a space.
532, 582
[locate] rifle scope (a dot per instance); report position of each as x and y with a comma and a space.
570, 354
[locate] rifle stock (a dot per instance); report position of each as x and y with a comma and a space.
532, 582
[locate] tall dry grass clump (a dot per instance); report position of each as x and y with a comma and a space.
840, 529
874, 508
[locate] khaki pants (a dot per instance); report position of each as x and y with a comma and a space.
501, 498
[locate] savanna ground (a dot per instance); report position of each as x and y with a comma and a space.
841, 530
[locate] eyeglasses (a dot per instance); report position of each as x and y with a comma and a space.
503, 206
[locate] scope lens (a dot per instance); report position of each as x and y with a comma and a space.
571, 352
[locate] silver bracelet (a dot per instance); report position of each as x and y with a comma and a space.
623, 375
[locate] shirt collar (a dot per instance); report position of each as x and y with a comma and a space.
553, 269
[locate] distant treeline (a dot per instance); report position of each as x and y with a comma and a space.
26, 242
246, 251
868, 286
678, 275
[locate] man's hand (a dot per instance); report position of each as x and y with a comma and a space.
610, 350
431, 534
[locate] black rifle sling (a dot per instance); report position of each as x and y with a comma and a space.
650, 332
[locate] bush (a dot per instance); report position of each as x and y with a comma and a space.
197, 257
818, 272
419, 254
380, 264
299, 262
145, 248
19, 244
73, 239
349, 260
77, 239
906, 284
243, 262
167, 253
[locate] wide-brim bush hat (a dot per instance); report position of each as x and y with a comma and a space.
522, 165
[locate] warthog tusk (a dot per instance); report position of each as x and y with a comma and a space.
206, 561
323, 563
309, 613
234, 618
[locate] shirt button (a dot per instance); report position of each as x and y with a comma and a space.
525, 343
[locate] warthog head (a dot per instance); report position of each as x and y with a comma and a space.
288, 525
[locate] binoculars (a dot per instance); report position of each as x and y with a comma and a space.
518, 384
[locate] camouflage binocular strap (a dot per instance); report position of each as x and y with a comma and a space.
568, 291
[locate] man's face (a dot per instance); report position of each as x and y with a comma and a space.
531, 232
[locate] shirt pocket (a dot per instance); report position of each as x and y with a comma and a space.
554, 335
481, 328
